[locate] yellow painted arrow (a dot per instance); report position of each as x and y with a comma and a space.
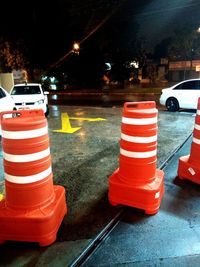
87, 119
66, 126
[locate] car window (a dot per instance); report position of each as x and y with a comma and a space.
189, 85
2, 93
26, 90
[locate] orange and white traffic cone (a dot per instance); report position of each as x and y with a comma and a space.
189, 166
33, 208
137, 182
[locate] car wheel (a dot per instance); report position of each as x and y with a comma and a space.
172, 104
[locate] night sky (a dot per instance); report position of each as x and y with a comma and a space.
49, 30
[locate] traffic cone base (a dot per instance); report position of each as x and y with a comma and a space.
146, 197
188, 171
36, 225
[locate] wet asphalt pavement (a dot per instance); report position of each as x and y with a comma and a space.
101, 99
82, 161
170, 238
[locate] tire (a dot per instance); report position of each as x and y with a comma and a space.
172, 104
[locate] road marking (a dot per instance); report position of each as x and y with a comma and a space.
87, 119
66, 126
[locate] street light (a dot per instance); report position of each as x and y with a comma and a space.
198, 30
76, 48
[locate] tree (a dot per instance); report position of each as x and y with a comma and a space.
185, 44
12, 56
161, 49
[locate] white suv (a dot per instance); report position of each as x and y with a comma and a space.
31, 96
182, 95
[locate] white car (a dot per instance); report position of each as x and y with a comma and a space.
6, 101
181, 95
30, 96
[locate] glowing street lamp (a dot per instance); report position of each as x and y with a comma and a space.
76, 48
198, 30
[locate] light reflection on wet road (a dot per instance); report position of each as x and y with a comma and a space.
99, 99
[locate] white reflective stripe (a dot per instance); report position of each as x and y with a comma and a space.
192, 171
195, 140
149, 111
28, 179
139, 121
139, 155
139, 139
26, 157
25, 134
197, 126
198, 112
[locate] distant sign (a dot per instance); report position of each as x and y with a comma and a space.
195, 63
180, 64
198, 68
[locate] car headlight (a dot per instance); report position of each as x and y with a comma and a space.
39, 102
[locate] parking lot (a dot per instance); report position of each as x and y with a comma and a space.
84, 143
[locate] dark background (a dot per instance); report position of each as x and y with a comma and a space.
50, 28
107, 30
